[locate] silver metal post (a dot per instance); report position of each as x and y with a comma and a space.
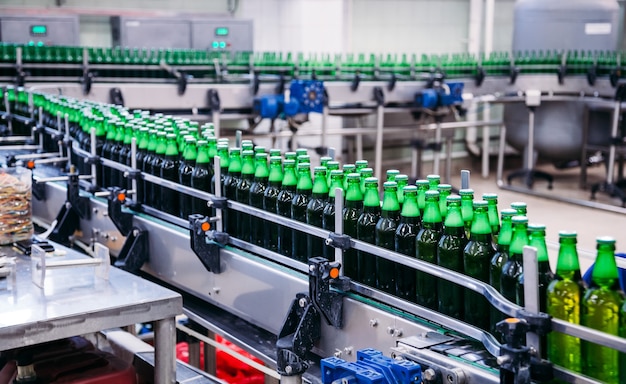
93, 153
485, 154
531, 139
41, 125
379, 141
436, 152
59, 130
238, 139
465, 179
339, 225
291, 379
133, 163
67, 135
217, 171
614, 129
531, 292
324, 125
501, 147
215, 117
448, 174
164, 345
7, 107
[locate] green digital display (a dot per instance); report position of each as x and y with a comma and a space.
38, 30
221, 31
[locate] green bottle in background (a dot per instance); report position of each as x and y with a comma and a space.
476, 257
513, 267
257, 193
328, 215
433, 182
498, 260
492, 211
366, 231
365, 173
444, 191
422, 187
359, 165
299, 204
391, 174
402, 181
467, 199
521, 208
333, 166
351, 211
385, 236
270, 202
408, 228
564, 302
426, 245
450, 255
600, 310
348, 169
283, 206
315, 211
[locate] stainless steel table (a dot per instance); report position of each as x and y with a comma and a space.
73, 302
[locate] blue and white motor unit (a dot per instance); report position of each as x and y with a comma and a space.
305, 96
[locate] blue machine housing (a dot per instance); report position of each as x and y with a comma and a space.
432, 98
306, 96
371, 367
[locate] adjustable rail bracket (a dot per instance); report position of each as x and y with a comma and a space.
206, 243
76, 207
135, 251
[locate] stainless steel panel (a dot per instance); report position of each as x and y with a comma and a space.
60, 30
238, 39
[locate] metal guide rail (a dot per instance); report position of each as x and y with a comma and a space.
193, 257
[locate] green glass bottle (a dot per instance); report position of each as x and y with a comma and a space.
230, 188
365, 173
328, 215
366, 231
201, 178
222, 153
521, 208
537, 239
513, 267
402, 181
408, 228
492, 211
450, 255
600, 310
330, 167
385, 236
142, 152
283, 206
563, 302
324, 163
422, 187
391, 174
476, 257
622, 333
155, 169
315, 211
359, 165
242, 193
270, 202
433, 182
169, 171
299, 204
257, 192
351, 211
498, 260
118, 143
444, 191
426, 244
185, 170
467, 199
348, 169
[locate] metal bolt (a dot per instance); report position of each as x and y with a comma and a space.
397, 333
95, 211
344, 381
311, 268
113, 238
348, 350
126, 174
135, 232
502, 359
430, 375
104, 235
337, 353
302, 302
209, 203
390, 330
288, 369
328, 241
373, 322
216, 290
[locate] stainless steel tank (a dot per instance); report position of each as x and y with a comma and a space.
561, 25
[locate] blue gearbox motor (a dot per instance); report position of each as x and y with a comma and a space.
371, 367
305, 96
448, 94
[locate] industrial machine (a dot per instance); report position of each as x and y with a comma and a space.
49, 30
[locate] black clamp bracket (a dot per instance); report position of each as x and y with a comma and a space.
213, 100
592, 74
76, 207
339, 241
86, 82
92, 160
302, 326
256, 82
78, 202
513, 73
206, 243
561, 72
480, 75
39, 189
182, 80
614, 76
379, 96
539, 323
115, 96
514, 359
123, 221
280, 87
219, 202
392, 82
356, 80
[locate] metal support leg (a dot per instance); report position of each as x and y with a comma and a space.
485, 154
531, 293
582, 184
324, 126
380, 110
291, 379
215, 117
164, 345
210, 356
501, 147
194, 353
448, 174
437, 151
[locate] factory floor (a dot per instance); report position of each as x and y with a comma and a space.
588, 222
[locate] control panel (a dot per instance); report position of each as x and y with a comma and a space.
39, 30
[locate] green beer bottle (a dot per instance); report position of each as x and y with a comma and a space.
385, 236
331, 166
190, 154
169, 171
600, 310
521, 208
315, 211
270, 202
476, 256
324, 162
351, 212
365, 173
513, 268
257, 193
492, 211
348, 169
222, 152
299, 204
537, 239
283, 206
450, 255
498, 260
359, 165
408, 228
200, 179
366, 231
422, 187
426, 245
328, 215
402, 181
563, 302
230, 188
444, 191
433, 182
242, 193
391, 174
467, 198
